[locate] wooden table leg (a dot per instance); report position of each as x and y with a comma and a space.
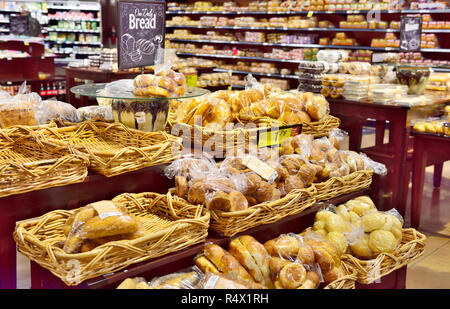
437, 177
418, 175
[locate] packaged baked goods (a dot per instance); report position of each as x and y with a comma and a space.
358, 228
224, 282
137, 283
98, 223
186, 279
302, 261
56, 110
217, 260
20, 109
96, 112
254, 257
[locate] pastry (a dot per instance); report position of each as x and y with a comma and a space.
254, 257
226, 263
293, 183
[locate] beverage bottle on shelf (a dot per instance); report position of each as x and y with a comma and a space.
42, 91
62, 86
54, 91
49, 90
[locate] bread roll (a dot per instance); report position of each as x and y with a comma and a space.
292, 275
205, 265
285, 246
181, 186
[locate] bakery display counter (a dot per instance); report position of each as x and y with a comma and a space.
42, 278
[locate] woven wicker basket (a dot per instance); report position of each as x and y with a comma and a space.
337, 186
411, 248
221, 142
345, 282
171, 225
114, 149
232, 223
27, 164
317, 129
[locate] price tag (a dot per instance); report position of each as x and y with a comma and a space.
268, 137
261, 168
310, 14
191, 80
26, 43
106, 209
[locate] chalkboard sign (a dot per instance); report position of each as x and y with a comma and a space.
18, 25
410, 33
142, 26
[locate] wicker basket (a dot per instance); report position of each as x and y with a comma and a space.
27, 164
411, 248
337, 186
317, 129
114, 149
170, 222
346, 282
321, 128
232, 223
221, 142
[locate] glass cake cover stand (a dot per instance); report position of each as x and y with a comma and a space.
143, 113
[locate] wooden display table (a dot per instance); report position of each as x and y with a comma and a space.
388, 191
91, 74
429, 149
37, 203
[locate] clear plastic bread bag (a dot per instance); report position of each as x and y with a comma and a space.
137, 283
21, 109
292, 263
96, 112
336, 137
376, 167
185, 279
221, 281
57, 110
99, 223
317, 106
192, 167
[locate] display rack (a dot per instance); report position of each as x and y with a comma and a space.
76, 34
362, 35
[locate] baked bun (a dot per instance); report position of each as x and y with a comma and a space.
292, 275
285, 246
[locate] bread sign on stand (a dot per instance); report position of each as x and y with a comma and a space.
141, 32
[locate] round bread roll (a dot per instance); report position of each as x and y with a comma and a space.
319, 225
335, 223
307, 173
331, 275
313, 277
373, 221
339, 240
285, 246
276, 264
359, 207
292, 275
382, 241
322, 215
253, 181
323, 258
292, 183
366, 199
361, 248
306, 254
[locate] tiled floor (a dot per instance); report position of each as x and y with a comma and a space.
431, 271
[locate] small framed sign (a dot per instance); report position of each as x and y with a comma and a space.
410, 33
141, 32
269, 137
